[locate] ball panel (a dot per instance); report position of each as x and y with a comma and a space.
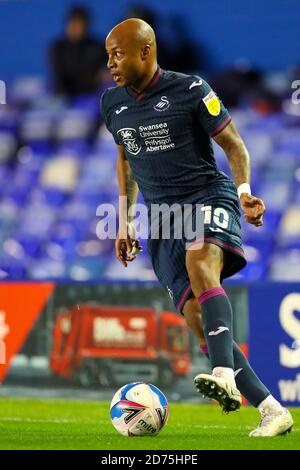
121, 393
116, 411
126, 389
145, 425
140, 394
162, 399
117, 397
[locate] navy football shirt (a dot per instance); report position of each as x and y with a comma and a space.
166, 133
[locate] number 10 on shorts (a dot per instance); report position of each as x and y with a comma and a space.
218, 215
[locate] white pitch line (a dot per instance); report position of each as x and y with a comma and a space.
56, 421
230, 427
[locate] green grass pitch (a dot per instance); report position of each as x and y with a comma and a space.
57, 424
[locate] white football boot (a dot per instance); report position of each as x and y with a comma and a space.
219, 389
274, 422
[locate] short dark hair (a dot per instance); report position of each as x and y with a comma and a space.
79, 13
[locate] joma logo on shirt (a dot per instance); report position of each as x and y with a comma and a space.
129, 140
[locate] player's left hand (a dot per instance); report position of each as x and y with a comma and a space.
253, 208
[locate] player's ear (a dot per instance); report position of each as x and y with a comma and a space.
145, 52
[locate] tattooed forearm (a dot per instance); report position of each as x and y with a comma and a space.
237, 154
132, 193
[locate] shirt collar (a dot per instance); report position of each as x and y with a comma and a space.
154, 80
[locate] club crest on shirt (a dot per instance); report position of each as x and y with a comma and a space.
212, 103
129, 140
162, 105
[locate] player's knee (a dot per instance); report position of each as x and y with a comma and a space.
204, 268
203, 275
200, 274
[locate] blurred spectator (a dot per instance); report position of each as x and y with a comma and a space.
77, 58
244, 85
242, 81
177, 53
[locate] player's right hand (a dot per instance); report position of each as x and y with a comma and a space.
126, 249
253, 208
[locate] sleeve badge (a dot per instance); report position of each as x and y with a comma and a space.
212, 103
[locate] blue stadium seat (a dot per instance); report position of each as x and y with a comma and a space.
47, 269
9, 120
277, 195
74, 124
27, 89
86, 269
55, 197
12, 269
285, 265
76, 147
257, 266
141, 270
36, 126
8, 146
88, 102
266, 232
6, 174
289, 141
289, 229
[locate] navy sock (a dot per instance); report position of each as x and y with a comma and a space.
246, 380
217, 326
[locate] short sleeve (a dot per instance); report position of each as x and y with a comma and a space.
211, 113
105, 115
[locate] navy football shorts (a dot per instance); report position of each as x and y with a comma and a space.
221, 227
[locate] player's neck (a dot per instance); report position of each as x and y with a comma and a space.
146, 80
